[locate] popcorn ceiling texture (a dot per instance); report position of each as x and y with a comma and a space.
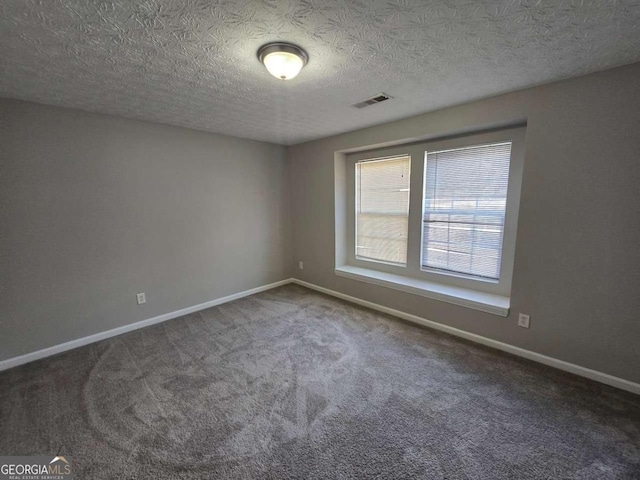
193, 63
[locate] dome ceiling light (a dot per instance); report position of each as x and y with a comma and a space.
283, 60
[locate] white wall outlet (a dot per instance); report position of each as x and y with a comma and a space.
141, 298
301, 265
523, 320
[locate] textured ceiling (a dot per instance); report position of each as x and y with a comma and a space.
193, 62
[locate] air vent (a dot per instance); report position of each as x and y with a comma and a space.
380, 97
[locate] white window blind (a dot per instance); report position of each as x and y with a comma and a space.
382, 209
465, 197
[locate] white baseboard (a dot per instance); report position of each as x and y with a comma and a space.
63, 347
505, 347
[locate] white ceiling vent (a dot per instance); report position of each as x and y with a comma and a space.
380, 97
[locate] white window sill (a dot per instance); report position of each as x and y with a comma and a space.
485, 302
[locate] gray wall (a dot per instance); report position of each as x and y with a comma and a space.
577, 263
96, 208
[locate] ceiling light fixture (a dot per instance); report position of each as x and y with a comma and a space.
283, 60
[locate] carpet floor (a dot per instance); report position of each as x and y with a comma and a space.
293, 384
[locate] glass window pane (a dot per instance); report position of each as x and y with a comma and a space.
465, 198
382, 209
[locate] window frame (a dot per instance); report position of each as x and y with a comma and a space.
355, 221
417, 153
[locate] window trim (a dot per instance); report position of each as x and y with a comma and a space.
413, 271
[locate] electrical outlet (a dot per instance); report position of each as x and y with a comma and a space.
523, 320
301, 265
141, 298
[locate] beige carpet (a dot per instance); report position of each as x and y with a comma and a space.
294, 384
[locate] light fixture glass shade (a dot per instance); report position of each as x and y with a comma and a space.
283, 65
283, 60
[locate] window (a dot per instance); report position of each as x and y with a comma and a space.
436, 218
382, 209
465, 201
